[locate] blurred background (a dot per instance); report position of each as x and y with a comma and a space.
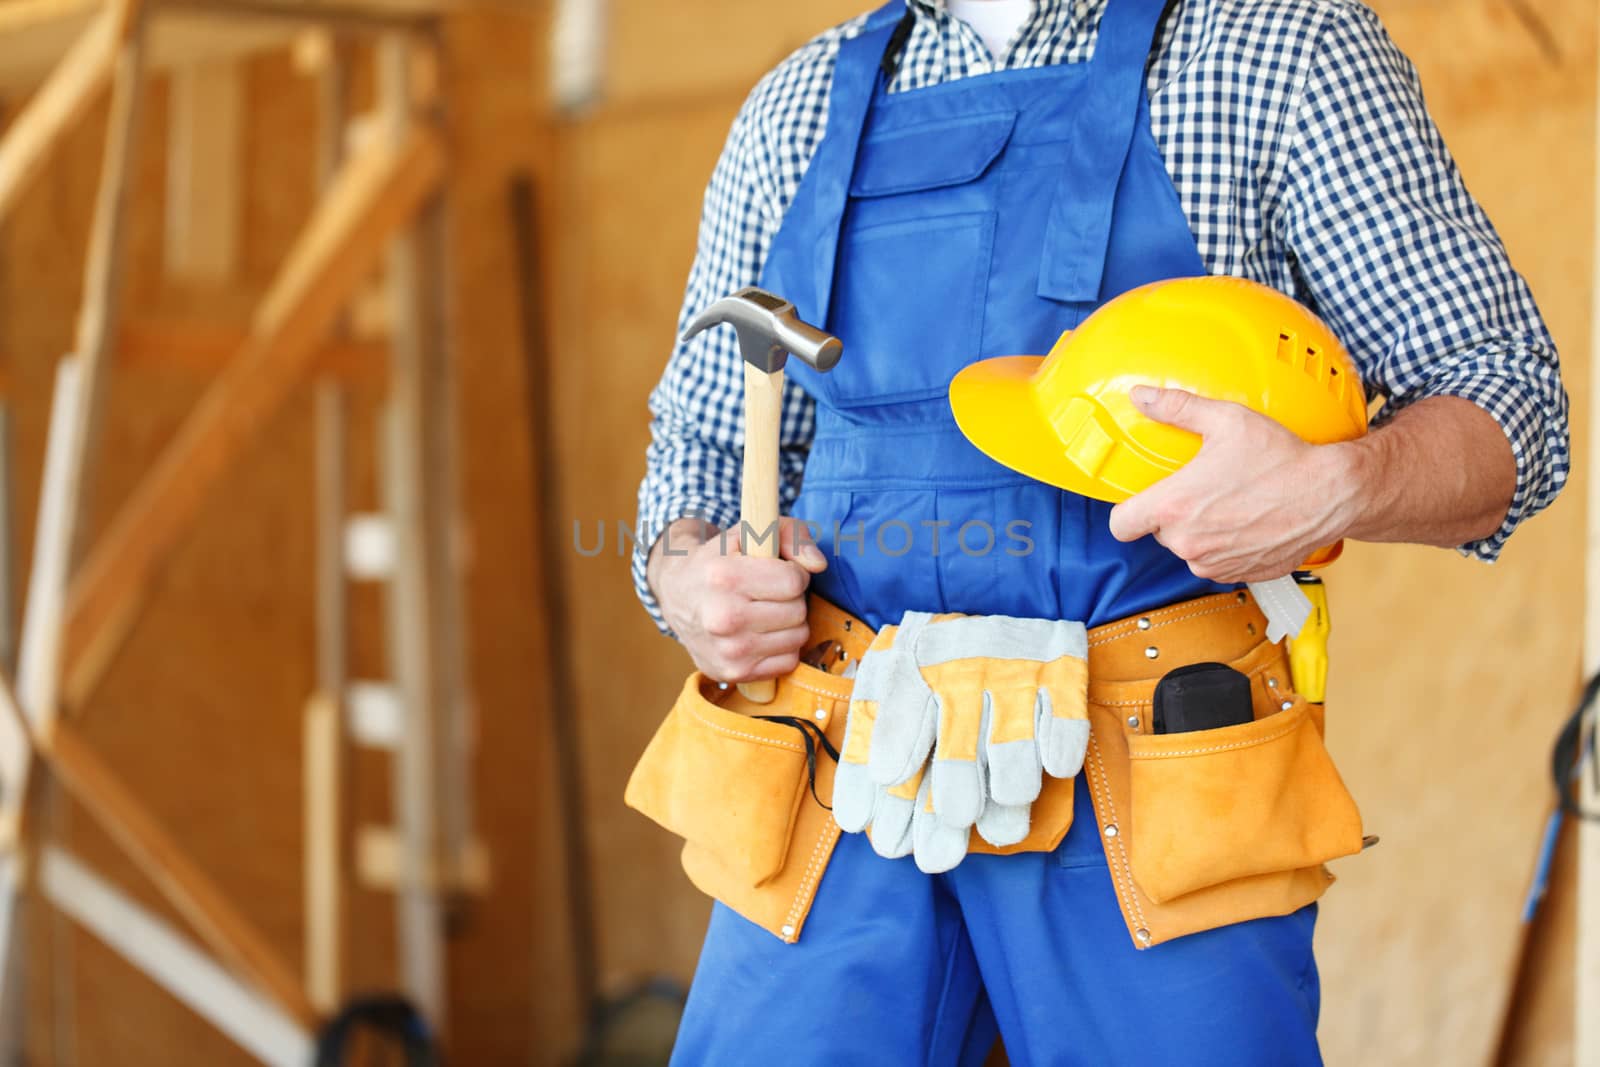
365, 298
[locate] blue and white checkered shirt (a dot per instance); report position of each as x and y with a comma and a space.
1297, 139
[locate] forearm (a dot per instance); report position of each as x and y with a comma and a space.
1441, 472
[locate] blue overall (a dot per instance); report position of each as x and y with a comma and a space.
933, 228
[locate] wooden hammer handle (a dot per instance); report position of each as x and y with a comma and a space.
763, 407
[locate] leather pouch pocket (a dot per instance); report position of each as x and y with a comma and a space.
1213, 806
724, 780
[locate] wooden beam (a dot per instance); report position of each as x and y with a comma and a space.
201, 348
392, 16
375, 194
42, 626
324, 816
64, 96
380, 862
418, 610
196, 897
80, 386
41, 635
8, 543
254, 1023
204, 164
101, 306
20, 16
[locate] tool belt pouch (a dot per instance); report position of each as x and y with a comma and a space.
1212, 806
734, 779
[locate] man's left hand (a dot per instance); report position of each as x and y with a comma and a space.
1252, 504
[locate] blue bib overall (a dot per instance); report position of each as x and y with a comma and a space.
933, 228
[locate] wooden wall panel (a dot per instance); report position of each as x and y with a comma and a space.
1450, 678
704, 48
1540, 1025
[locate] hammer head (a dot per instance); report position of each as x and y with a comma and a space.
769, 331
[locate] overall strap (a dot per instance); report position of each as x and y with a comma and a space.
856, 72
1079, 229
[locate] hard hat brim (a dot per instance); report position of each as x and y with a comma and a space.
995, 407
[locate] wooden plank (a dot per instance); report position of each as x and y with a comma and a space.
8, 544
373, 196
158, 855
13, 858
101, 306
324, 889
65, 94
328, 830
31, 50
13, 1008
329, 823
380, 864
38, 668
412, 611
204, 163
20, 16
177, 344
170, 960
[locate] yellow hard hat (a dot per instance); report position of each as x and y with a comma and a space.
1067, 420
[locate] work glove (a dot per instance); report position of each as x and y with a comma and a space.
996, 701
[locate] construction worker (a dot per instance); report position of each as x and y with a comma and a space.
942, 181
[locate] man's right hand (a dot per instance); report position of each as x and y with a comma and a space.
742, 618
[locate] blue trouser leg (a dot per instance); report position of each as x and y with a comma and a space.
896, 967
883, 976
1068, 986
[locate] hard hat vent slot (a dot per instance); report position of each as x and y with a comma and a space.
1314, 365
1287, 348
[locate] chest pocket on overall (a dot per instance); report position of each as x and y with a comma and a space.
916, 244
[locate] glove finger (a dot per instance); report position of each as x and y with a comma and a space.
891, 820
1010, 747
1063, 738
853, 789
855, 795
937, 846
957, 776
1004, 824
903, 733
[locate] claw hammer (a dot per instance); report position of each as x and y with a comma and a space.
769, 331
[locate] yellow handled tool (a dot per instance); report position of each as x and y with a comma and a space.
1308, 652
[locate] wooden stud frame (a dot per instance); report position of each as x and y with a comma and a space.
83, 597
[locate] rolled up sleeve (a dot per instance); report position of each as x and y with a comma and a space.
1392, 250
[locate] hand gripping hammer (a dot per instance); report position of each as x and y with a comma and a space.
769, 330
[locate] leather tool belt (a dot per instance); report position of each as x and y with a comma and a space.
1201, 829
